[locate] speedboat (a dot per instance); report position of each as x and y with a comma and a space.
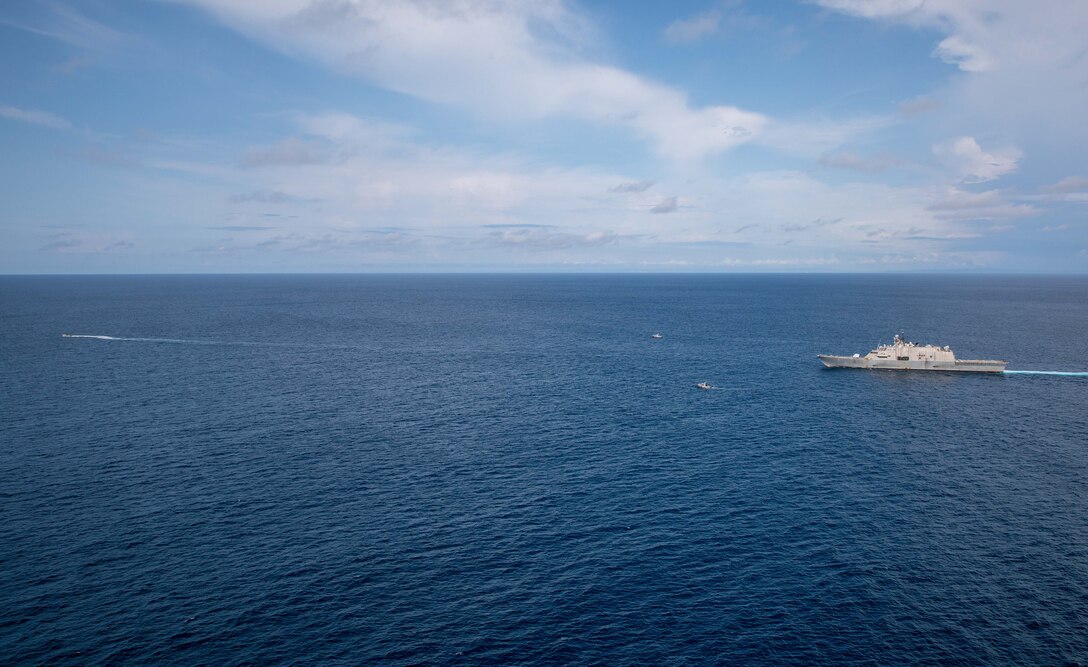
704, 385
657, 336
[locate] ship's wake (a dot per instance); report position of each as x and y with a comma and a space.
154, 340
1075, 374
88, 336
193, 341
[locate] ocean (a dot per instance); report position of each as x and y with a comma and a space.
507, 469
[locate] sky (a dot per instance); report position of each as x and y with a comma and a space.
236, 136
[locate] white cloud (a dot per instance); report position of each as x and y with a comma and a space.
500, 58
958, 204
984, 35
781, 262
918, 106
382, 177
973, 165
967, 23
35, 117
1025, 62
854, 162
58, 21
694, 28
875, 8
813, 137
292, 151
469, 207
632, 186
547, 239
1069, 184
968, 56
1071, 189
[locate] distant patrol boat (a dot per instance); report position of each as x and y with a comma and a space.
902, 355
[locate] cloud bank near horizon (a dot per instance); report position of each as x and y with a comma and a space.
495, 133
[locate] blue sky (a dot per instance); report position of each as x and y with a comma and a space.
496, 135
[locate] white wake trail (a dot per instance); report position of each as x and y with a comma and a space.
88, 336
190, 341
152, 340
1075, 374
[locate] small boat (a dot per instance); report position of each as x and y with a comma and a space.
705, 385
657, 336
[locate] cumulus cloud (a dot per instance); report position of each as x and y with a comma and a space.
967, 55
502, 58
546, 239
859, 218
973, 165
1015, 53
964, 47
469, 202
381, 177
781, 262
35, 117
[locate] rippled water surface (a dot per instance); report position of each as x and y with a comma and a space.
507, 469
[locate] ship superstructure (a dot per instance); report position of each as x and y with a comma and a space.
907, 356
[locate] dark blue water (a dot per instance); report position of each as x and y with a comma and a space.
508, 470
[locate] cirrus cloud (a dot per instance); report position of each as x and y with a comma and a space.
35, 117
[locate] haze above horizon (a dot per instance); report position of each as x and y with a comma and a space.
312, 136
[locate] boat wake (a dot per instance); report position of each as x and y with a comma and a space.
193, 341
153, 340
1075, 374
86, 336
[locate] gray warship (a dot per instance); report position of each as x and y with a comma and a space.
902, 355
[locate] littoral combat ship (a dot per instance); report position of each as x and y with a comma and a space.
905, 356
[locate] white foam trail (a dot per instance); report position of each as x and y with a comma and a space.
190, 341
153, 340
86, 336
1075, 374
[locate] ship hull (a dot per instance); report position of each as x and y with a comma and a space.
958, 366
